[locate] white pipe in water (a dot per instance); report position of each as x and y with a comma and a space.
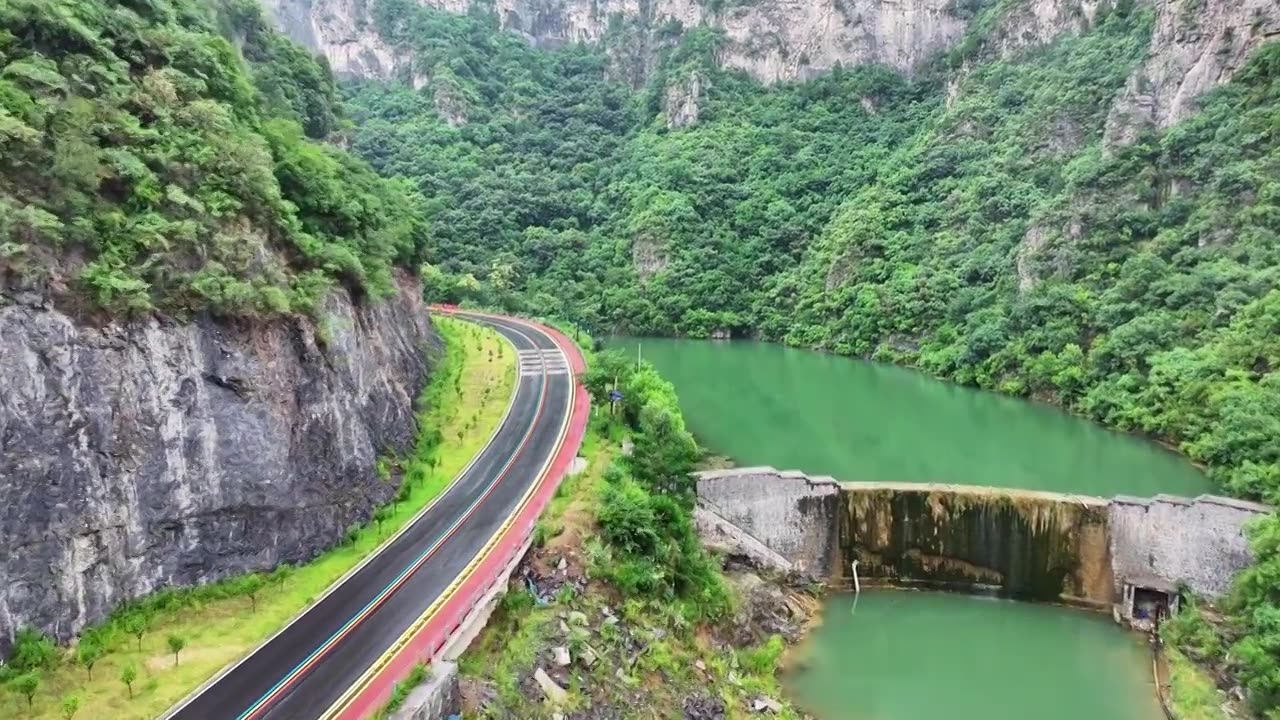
857, 586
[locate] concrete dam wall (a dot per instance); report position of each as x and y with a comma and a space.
1031, 545
794, 516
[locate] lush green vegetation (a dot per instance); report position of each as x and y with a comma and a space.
650, 548
970, 223
170, 642
1191, 695
147, 163
990, 239
639, 594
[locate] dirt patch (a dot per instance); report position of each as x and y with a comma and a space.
195, 654
768, 606
577, 522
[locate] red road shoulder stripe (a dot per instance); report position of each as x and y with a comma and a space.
432, 638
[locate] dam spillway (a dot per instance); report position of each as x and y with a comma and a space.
1031, 545
1026, 545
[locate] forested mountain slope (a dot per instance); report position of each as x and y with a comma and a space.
1014, 217
205, 342
144, 163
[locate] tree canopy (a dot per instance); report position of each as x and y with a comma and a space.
972, 221
161, 154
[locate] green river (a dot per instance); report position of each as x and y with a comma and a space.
763, 404
922, 656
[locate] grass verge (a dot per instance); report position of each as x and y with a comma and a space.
1192, 694
216, 624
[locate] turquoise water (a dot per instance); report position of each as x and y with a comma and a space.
764, 404
899, 655
927, 656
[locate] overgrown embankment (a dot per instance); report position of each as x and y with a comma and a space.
151, 653
618, 611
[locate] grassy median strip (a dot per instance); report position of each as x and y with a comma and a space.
145, 659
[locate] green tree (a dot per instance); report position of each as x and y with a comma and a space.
281, 574
664, 453
129, 675
251, 586
26, 685
176, 644
32, 651
88, 652
380, 517
137, 622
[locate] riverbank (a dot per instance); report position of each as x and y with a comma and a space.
1201, 679
169, 644
567, 641
618, 611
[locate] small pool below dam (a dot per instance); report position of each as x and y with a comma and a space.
901, 655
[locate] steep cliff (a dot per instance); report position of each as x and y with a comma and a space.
1197, 44
145, 454
772, 40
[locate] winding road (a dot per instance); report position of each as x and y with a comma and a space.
305, 671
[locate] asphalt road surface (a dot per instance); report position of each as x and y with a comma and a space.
303, 670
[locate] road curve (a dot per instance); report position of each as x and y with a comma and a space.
299, 673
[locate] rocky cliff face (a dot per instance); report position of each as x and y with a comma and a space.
151, 454
1197, 44
771, 39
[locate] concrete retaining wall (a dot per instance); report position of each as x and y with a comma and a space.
1194, 542
1037, 545
436, 698
789, 512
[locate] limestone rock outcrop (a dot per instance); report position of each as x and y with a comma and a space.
773, 40
683, 102
147, 454
1196, 46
